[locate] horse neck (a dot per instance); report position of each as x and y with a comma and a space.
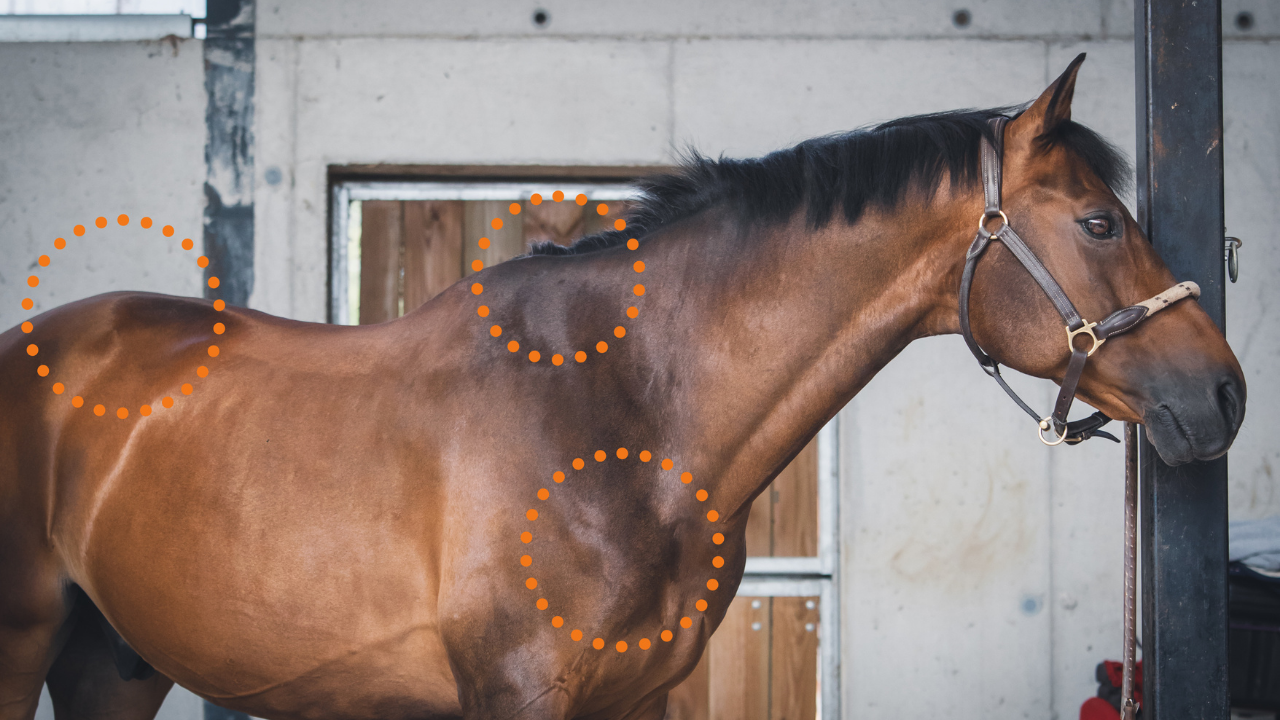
772, 331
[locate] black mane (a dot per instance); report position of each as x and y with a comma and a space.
870, 166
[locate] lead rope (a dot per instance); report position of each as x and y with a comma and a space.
1128, 708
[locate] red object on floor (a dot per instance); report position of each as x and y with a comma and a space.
1095, 708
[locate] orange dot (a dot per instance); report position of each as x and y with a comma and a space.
619, 331
167, 230
146, 223
202, 371
701, 605
644, 643
219, 328
526, 537
717, 562
557, 196
638, 266
598, 643
476, 266
638, 290
122, 413
602, 347
543, 494
525, 560
99, 410
557, 621
43, 371
686, 622
576, 635
713, 516
667, 464
476, 288
557, 476
580, 356
100, 222
78, 230
621, 646
535, 199
60, 243
600, 456
214, 282
542, 603
633, 312
531, 583
77, 401
535, 356
28, 327
713, 584
581, 199
32, 350
578, 464
622, 453
496, 330
667, 635
58, 388
496, 223
602, 209
213, 351
202, 261
187, 245
43, 260
123, 219
187, 389
33, 281
483, 311
701, 495
531, 514
633, 244
514, 208
167, 402
557, 359
483, 243
718, 539
145, 410
27, 304
219, 305
645, 455
619, 224
513, 346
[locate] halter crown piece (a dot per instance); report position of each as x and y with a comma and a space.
1120, 321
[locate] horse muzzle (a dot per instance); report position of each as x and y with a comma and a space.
1193, 419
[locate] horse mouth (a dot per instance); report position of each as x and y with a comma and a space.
1175, 443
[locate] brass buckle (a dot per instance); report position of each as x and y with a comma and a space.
982, 222
1046, 425
1087, 328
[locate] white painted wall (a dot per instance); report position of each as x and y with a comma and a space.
981, 571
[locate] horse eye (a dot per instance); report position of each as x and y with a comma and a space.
1098, 227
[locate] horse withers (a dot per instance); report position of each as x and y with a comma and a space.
536, 509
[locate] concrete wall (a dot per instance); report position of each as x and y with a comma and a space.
981, 570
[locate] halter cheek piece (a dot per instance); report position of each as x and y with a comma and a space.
1096, 333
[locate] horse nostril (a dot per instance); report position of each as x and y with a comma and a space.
1231, 402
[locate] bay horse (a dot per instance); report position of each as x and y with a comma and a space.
421, 519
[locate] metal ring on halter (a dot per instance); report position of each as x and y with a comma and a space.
982, 222
1047, 424
1086, 329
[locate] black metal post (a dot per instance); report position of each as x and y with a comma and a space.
1184, 509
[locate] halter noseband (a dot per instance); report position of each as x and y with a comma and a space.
1118, 322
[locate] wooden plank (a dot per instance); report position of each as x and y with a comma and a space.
795, 507
504, 243
432, 249
738, 668
557, 222
689, 699
794, 667
760, 525
381, 230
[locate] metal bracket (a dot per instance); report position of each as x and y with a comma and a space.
1231, 253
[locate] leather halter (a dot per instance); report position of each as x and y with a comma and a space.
1118, 322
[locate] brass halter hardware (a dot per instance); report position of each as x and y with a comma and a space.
1086, 329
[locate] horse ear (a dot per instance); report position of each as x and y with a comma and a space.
1052, 108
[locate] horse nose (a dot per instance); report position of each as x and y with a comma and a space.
1231, 402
